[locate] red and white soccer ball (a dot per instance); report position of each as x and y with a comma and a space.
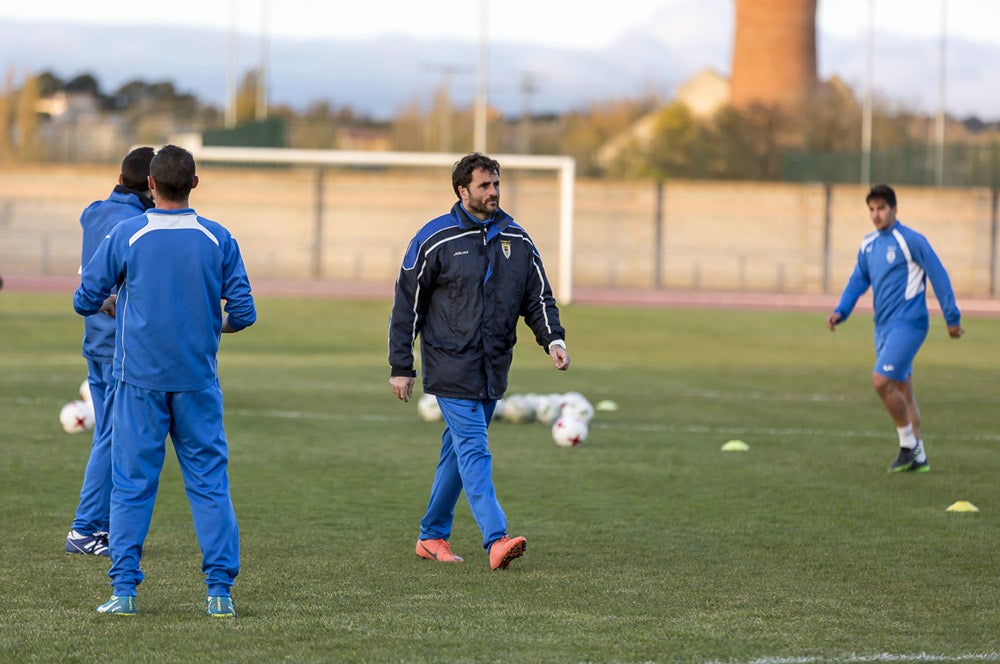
569, 431
547, 408
576, 405
77, 416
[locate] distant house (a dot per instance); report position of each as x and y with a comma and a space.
64, 106
76, 129
705, 93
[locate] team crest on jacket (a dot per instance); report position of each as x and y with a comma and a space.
505, 248
890, 255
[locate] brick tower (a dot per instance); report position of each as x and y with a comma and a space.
774, 52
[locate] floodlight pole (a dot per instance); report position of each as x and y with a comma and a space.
866, 114
261, 106
479, 129
232, 65
939, 128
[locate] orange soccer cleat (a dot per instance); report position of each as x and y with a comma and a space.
505, 550
437, 549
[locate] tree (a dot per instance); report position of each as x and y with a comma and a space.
27, 119
247, 98
49, 84
586, 132
673, 148
746, 144
409, 127
6, 152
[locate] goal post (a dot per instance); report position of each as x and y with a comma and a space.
564, 167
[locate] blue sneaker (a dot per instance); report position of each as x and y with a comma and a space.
220, 606
121, 605
88, 545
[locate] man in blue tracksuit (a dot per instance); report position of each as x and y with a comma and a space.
466, 279
172, 268
896, 262
89, 534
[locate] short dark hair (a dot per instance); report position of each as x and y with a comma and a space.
173, 171
883, 192
135, 168
461, 175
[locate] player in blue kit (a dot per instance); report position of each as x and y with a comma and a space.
172, 269
130, 197
896, 261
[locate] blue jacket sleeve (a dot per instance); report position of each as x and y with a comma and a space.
415, 277
239, 305
99, 278
938, 276
856, 287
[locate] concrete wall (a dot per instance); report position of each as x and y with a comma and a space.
354, 224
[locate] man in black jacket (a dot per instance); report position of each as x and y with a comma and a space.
466, 279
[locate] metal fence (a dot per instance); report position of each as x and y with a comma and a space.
914, 165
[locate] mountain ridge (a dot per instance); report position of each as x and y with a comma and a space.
378, 76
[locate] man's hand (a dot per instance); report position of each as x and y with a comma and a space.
560, 358
955, 331
108, 307
402, 387
832, 321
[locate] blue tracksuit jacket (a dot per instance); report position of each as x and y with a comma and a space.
896, 264
97, 221
168, 323
462, 287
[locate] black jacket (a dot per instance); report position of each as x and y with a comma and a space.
461, 288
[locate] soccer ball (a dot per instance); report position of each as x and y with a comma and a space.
517, 409
577, 405
569, 431
428, 408
85, 391
547, 408
77, 416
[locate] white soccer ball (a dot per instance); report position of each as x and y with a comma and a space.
517, 409
85, 391
498, 409
548, 407
428, 408
77, 416
576, 405
569, 431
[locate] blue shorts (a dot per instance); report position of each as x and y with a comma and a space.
895, 349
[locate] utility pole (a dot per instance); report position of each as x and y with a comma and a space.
442, 103
528, 88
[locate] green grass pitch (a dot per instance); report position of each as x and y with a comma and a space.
645, 544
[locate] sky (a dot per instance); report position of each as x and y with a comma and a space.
907, 67
591, 25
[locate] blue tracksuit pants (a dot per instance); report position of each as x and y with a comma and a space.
142, 420
465, 463
92, 512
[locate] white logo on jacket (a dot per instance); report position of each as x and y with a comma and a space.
890, 255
